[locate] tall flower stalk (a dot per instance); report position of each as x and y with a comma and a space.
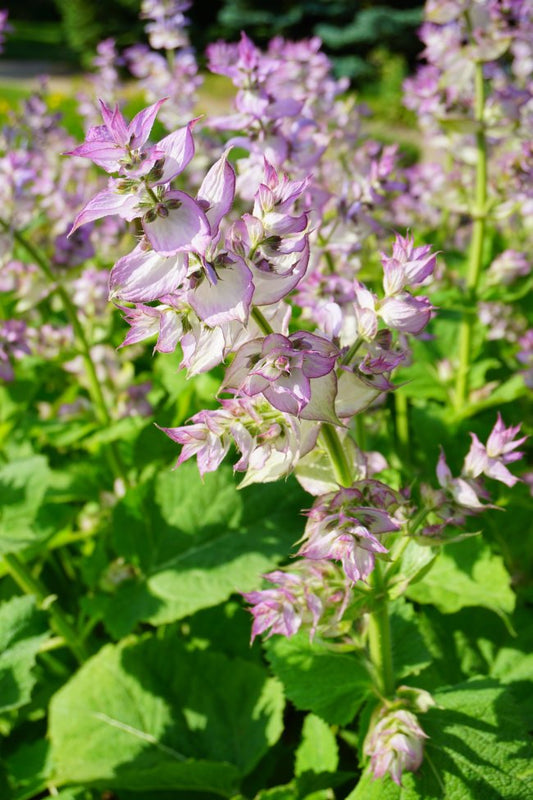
475, 262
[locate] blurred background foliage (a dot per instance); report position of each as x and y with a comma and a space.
355, 34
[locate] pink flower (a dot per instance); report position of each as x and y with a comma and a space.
408, 266
206, 438
490, 460
118, 147
284, 608
285, 370
395, 745
406, 313
340, 529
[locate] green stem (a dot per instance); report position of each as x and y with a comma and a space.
360, 432
22, 576
150, 192
95, 390
262, 323
379, 636
347, 358
402, 423
475, 262
337, 456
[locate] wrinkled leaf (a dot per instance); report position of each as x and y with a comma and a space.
23, 484
466, 574
318, 750
196, 545
147, 715
331, 685
22, 631
477, 750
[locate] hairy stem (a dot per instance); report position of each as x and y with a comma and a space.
337, 456
29, 584
402, 424
346, 360
262, 323
476, 247
379, 636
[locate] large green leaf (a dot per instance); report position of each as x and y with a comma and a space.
466, 574
195, 543
29, 770
477, 750
318, 750
410, 653
333, 685
23, 485
22, 631
147, 715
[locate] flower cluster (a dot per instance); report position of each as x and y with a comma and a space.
474, 50
312, 594
467, 494
395, 742
168, 67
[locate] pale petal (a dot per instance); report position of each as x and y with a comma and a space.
270, 287
229, 299
217, 192
407, 314
143, 275
170, 332
105, 204
202, 349
104, 154
142, 123
184, 229
178, 148
115, 123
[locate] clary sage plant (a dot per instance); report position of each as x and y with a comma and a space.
360, 330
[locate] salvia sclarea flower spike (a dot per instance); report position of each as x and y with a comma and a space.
270, 442
167, 67
395, 741
313, 594
467, 494
198, 278
343, 527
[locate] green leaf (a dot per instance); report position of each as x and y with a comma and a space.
507, 392
29, 770
477, 750
23, 485
148, 715
331, 685
514, 667
415, 563
124, 429
466, 574
410, 653
5, 789
22, 631
318, 750
202, 542
287, 792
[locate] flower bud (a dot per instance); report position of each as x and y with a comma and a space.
395, 745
